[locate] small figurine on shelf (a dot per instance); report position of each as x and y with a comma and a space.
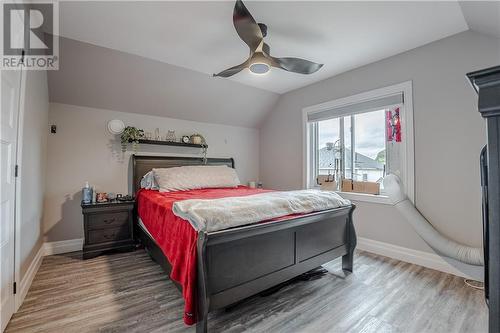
170, 137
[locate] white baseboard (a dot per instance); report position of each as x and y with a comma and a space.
46, 249
426, 259
25, 283
66, 246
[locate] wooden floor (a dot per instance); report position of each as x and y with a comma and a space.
129, 293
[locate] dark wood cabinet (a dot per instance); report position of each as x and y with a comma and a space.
107, 227
487, 84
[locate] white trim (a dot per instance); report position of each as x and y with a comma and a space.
355, 106
306, 138
18, 209
425, 259
363, 197
70, 245
408, 141
408, 149
361, 97
46, 249
25, 283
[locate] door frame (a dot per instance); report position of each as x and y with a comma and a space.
17, 186
14, 225
17, 223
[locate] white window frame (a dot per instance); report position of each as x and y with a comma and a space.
407, 153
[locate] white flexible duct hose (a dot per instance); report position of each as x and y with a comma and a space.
441, 244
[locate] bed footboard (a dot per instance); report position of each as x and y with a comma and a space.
240, 262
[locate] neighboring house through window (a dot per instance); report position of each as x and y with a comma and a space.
354, 146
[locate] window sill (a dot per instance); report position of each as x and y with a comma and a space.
362, 197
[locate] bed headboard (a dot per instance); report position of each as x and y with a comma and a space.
143, 164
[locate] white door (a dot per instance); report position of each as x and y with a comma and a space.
10, 91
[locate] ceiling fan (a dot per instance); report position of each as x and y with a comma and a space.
260, 60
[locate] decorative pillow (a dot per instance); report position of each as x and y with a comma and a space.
194, 177
148, 182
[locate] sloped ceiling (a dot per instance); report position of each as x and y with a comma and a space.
103, 78
482, 16
200, 35
157, 57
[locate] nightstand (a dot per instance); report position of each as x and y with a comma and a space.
107, 227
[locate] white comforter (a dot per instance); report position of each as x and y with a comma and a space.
216, 214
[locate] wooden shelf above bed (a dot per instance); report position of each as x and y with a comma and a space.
170, 143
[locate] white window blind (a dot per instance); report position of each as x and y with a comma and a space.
359, 107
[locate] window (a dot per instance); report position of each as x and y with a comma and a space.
362, 137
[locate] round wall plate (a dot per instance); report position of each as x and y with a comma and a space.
116, 126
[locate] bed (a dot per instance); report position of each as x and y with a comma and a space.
233, 264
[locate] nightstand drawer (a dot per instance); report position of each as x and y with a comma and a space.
109, 235
108, 220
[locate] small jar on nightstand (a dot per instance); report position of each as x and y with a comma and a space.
107, 227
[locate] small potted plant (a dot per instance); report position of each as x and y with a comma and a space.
131, 134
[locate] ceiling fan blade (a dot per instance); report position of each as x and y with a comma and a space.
233, 70
246, 27
296, 65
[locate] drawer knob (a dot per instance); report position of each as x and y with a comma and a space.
109, 221
112, 236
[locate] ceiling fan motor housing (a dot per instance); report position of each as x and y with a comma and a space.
259, 63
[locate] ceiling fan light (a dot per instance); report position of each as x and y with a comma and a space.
259, 68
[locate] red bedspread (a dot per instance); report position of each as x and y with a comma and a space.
176, 237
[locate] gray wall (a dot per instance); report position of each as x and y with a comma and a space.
32, 165
449, 134
83, 150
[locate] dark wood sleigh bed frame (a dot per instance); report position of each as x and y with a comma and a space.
236, 263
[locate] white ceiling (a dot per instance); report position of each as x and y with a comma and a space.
482, 16
200, 35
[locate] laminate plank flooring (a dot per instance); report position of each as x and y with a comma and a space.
128, 292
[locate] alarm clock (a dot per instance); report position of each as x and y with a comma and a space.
185, 139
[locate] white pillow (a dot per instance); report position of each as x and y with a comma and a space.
195, 177
148, 182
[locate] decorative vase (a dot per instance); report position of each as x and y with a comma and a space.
135, 146
170, 137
